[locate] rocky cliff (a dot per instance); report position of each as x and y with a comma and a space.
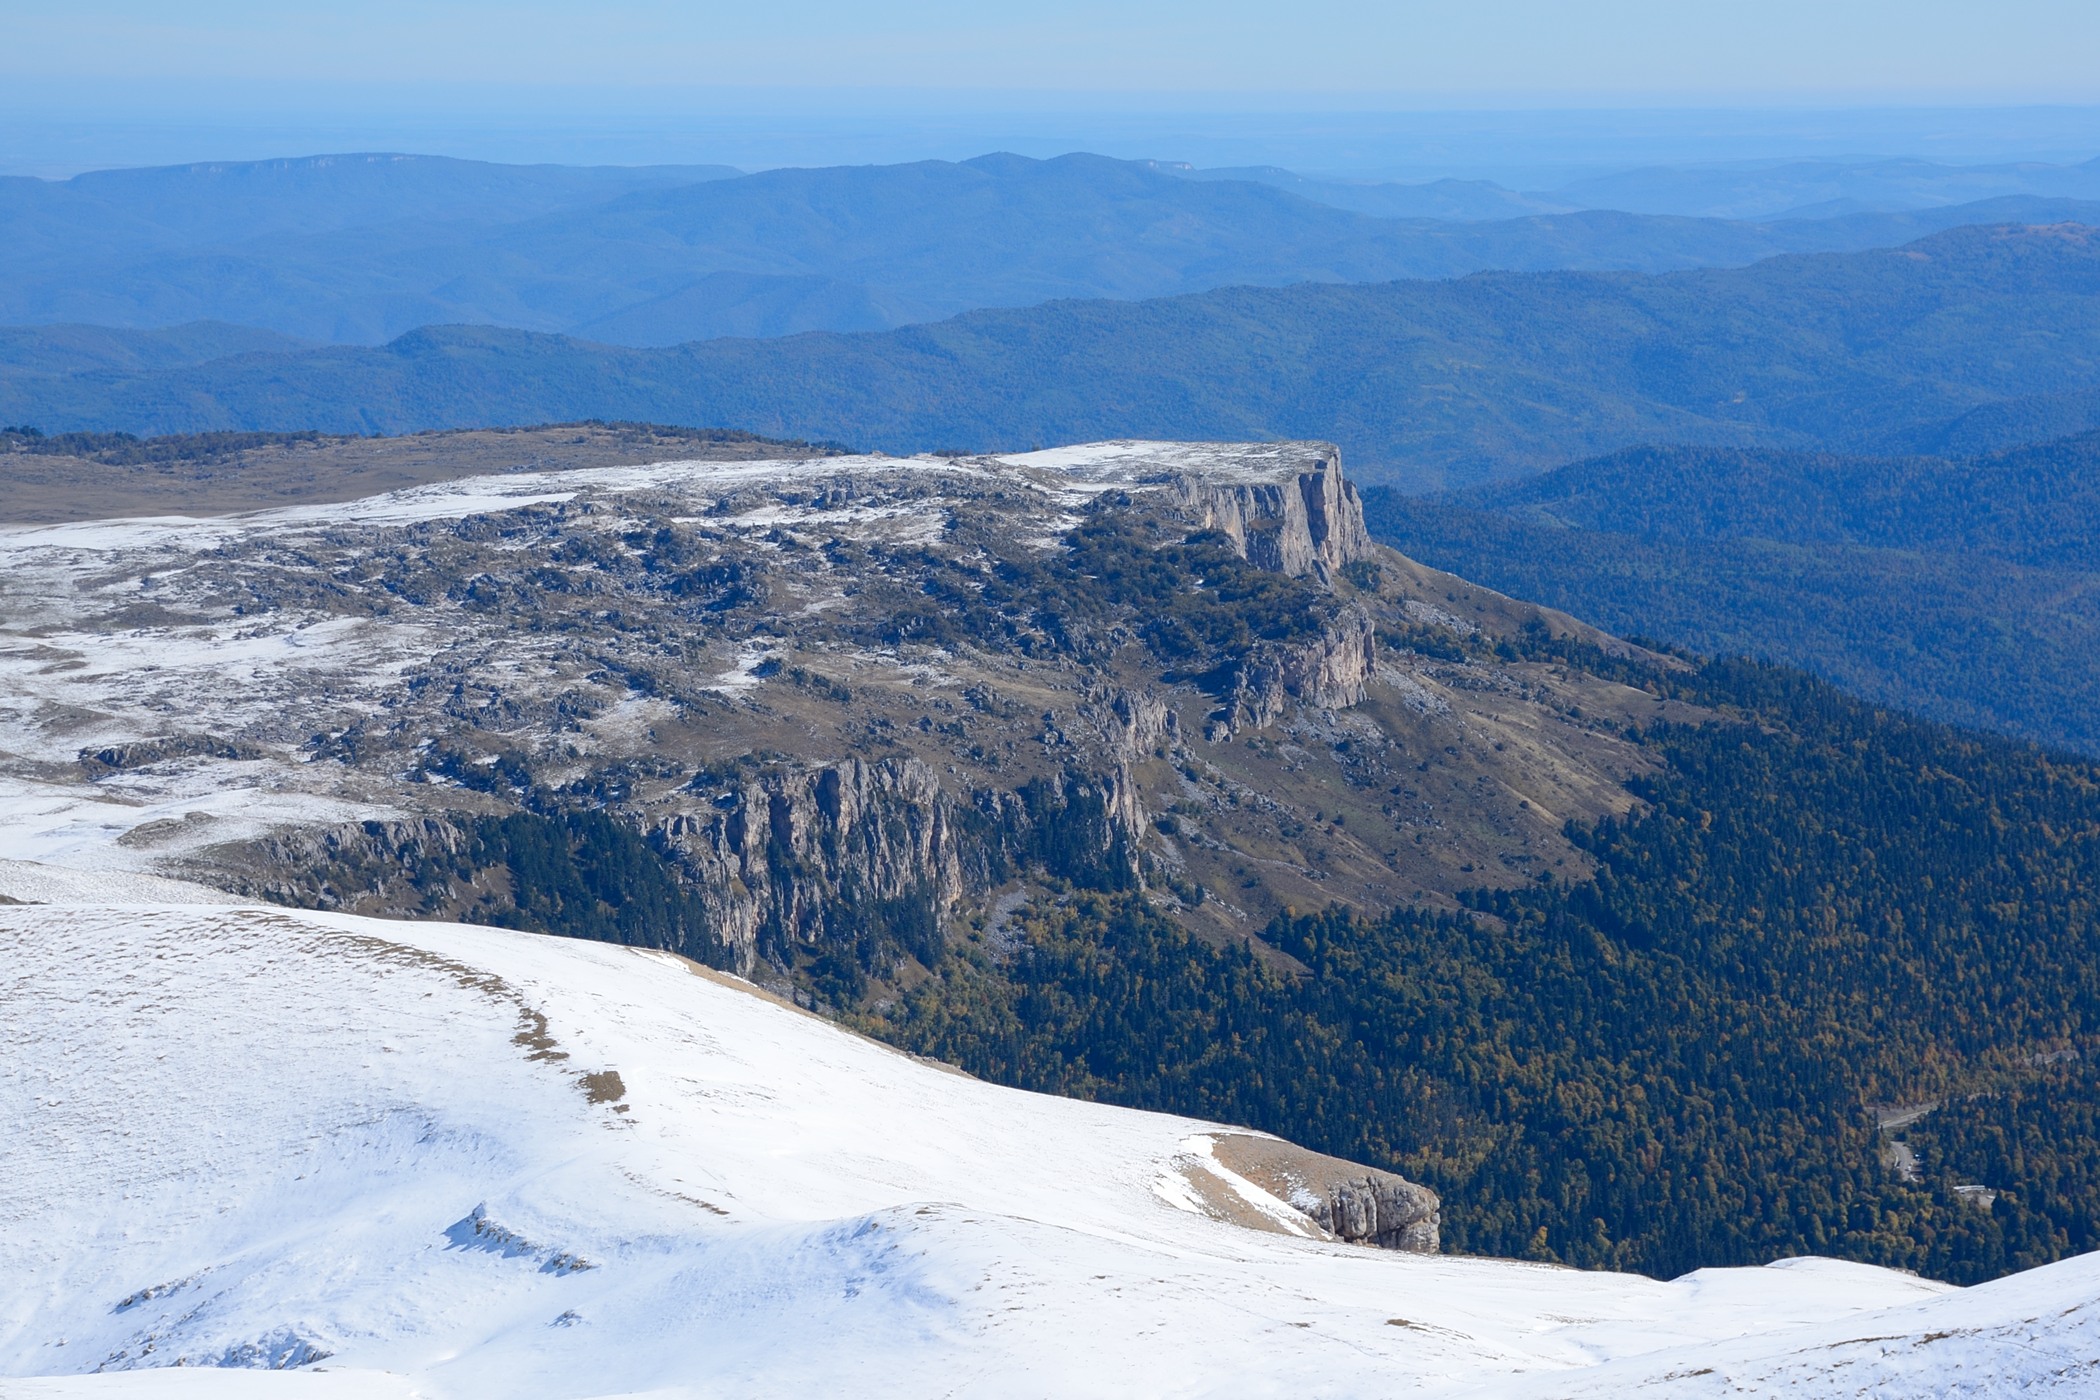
801, 855
1302, 518
809, 719
1353, 1202
1328, 672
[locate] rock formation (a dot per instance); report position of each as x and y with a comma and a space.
1293, 522
788, 715
779, 857
1349, 1200
1328, 673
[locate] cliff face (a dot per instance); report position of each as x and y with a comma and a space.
1368, 1206
1299, 522
1350, 1201
1329, 672
802, 859
399, 868
793, 857
809, 718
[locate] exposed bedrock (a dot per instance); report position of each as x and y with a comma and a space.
798, 858
1133, 722
1351, 1201
1295, 525
780, 858
1329, 672
1379, 1208
370, 866
791, 861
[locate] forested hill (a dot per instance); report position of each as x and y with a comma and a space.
1820, 911
1490, 376
1963, 588
2038, 504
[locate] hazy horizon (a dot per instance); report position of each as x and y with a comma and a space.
1525, 92
1535, 148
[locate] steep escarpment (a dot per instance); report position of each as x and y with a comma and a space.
816, 719
1329, 671
1292, 526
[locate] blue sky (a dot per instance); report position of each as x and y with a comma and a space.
1523, 52
1398, 89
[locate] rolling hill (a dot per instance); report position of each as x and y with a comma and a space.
1963, 588
299, 1155
1424, 383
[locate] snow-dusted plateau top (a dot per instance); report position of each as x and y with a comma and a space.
1061, 473
237, 644
419, 1159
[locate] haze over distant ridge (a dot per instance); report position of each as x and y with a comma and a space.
1978, 335
361, 248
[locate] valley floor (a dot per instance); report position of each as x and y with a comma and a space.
448, 1161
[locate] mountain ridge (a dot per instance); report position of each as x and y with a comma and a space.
1423, 383
1961, 588
381, 244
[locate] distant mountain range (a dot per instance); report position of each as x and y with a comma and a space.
1970, 340
1757, 190
1967, 589
1807, 189
360, 249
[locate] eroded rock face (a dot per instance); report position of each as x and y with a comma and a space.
1381, 1209
1294, 525
1353, 1202
1135, 722
784, 862
774, 856
1329, 672
359, 866
798, 857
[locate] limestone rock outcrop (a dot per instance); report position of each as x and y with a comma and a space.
1353, 1202
802, 857
1329, 672
779, 857
381, 867
1299, 523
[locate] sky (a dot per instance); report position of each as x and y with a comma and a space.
646, 79
1526, 52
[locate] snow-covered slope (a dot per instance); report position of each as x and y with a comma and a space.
451, 1162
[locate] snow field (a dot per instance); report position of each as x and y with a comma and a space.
468, 1162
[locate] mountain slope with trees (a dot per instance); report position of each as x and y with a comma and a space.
1819, 908
1423, 383
1963, 588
